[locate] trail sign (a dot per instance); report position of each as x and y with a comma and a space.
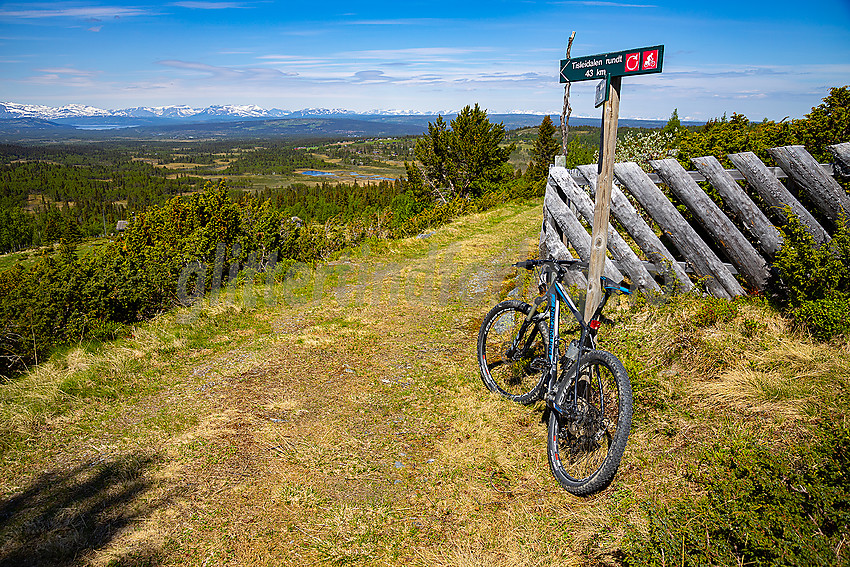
638, 61
610, 68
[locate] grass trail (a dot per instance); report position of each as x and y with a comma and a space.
344, 422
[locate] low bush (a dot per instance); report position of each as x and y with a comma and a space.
72, 297
816, 279
755, 505
824, 318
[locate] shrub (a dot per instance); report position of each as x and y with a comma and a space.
827, 124
713, 310
722, 137
825, 318
816, 279
68, 297
757, 506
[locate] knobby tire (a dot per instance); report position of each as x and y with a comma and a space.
585, 444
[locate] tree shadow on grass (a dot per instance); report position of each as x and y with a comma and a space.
63, 516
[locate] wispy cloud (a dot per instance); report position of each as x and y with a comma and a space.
602, 4
210, 5
67, 10
372, 77
419, 54
69, 71
226, 73
63, 76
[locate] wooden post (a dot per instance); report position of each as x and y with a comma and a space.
825, 191
666, 264
774, 193
599, 238
705, 263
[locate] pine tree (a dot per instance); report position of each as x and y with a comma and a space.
673, 124
467, 158
546, 147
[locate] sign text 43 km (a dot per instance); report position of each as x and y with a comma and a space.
638, 61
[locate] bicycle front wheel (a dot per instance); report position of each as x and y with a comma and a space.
511, 359
586, 442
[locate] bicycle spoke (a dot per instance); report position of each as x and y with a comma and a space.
587, 440
511, 371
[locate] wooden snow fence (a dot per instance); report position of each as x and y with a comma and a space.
741, 232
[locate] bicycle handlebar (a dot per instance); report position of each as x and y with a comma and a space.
608, 284
570, 264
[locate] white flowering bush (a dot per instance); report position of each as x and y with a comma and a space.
640, 147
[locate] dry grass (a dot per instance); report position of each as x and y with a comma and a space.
350, 426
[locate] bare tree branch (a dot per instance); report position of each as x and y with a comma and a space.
565, 113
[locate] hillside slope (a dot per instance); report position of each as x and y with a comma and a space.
339, 418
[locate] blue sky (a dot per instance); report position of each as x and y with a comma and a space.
762, 59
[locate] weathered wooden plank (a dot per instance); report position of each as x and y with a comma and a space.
653, 269
704, 261
620, 250
841, 152
766, 236
575, 232
642, 234
774, 193
551, 246
749, 262
824, 191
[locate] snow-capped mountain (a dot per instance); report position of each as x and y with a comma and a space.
240, 111
182, 112
15, 110
157, 111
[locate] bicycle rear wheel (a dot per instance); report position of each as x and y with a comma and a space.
516, 374
586, 443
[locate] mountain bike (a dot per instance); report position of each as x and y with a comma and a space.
523, 357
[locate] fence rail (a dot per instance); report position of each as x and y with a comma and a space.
736, 237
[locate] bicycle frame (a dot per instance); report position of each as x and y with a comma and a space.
588, 395
555, 294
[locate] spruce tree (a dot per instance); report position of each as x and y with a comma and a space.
673, 124
546, 147
466, 158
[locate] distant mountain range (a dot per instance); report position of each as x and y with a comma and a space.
38, 123
11, 110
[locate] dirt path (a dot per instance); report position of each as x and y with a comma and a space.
347, 426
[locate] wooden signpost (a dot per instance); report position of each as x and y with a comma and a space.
610, 68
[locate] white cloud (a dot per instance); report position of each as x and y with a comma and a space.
226, 73
426, 54
65, 10
210, 5
63, 77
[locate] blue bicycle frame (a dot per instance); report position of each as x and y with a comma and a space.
555, 293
